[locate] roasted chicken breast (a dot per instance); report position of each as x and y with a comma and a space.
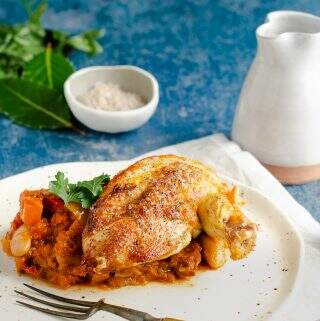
154, 208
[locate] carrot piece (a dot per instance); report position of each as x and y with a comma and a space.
31, 210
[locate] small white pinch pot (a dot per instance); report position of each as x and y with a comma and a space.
278, 113
129, 78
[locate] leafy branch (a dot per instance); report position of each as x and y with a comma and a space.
21, 42
34, 59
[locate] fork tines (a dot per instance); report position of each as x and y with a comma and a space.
80, 309
86, 309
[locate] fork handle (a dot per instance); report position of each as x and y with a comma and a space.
170, 319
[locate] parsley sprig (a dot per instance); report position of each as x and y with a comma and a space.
83, 192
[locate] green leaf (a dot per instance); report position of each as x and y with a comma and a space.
49, 69
19, 44
95, 185
59, 41
34, 9
9, 66
84, 192
33, 105
86, 41
60, 187
85, 198
24, 38
36, 14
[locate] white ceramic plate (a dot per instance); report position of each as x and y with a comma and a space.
250, 289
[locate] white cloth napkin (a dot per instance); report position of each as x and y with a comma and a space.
230, 160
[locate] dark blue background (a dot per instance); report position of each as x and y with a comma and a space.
198, 50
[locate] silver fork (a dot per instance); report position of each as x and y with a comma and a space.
84, 309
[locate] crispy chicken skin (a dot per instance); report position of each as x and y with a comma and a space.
149, 212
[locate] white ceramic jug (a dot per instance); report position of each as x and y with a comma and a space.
278, 113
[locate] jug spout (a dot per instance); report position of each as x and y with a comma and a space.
294, 22
288, 35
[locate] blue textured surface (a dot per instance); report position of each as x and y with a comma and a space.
198, 50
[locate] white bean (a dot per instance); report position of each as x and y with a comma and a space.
21, 241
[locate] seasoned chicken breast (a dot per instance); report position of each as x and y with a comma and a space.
149, 212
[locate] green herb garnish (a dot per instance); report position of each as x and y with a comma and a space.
83, 192
33, 58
